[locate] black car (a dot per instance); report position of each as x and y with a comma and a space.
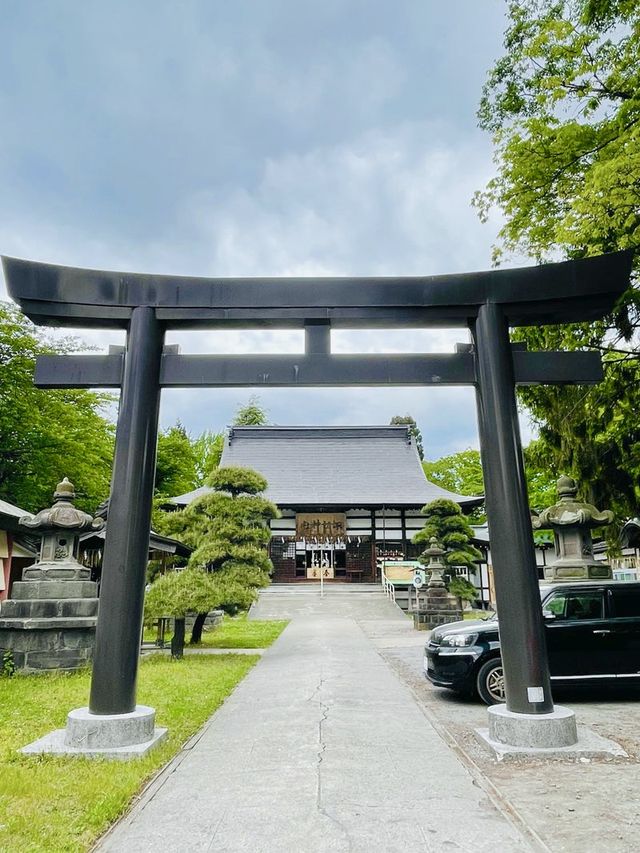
593, 637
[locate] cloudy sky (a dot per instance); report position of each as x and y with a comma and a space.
259, 137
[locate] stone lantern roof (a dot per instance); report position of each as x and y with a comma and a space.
60, 526
568, 510
62, 515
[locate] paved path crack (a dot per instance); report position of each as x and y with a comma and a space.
321, 748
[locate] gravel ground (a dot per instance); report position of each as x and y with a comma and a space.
578, 805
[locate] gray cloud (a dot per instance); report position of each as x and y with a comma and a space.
255, 138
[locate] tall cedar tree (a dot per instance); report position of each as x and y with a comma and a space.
251, 414
563, 104
229, 531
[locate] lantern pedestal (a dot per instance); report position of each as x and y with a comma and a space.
50, 625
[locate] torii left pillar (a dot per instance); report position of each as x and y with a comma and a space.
113, 725
126, 552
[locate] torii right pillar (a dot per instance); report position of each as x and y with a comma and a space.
528, 719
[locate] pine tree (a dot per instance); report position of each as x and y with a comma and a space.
445, 521
228, 528
180, 594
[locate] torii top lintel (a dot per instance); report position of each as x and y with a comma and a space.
570, 291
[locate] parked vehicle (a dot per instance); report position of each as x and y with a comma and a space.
592, 631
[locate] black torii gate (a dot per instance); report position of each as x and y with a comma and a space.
486, 302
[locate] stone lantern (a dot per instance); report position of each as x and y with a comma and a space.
572, 521
437, 606
49, 622
435, 566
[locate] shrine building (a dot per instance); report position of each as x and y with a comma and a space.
349, 496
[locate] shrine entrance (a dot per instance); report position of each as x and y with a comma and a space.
321, 545
486, 303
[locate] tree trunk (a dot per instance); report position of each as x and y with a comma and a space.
196, 631
177, 641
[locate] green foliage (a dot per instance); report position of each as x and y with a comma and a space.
564, 109
541, 476
181, 593
563, 106
208, 449
251, 414
414, 430
236, 480
460, 472
8, 664
463, 589
229, 532
445, 521
46, 435
184, 463
176, 462
593, 434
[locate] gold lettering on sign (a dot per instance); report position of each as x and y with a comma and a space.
322, 526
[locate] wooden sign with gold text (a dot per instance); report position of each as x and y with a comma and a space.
323, 526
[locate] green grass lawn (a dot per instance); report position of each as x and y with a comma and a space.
236, 632
64, 804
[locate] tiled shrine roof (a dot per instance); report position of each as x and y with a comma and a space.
334, 466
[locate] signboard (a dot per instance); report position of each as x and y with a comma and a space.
317, 572
419, 578
321, 526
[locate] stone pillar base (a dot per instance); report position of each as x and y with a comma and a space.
554, 736
533, 731
119, 736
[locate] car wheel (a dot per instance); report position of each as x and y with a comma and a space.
490, 682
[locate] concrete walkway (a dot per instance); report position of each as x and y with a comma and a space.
321, 748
